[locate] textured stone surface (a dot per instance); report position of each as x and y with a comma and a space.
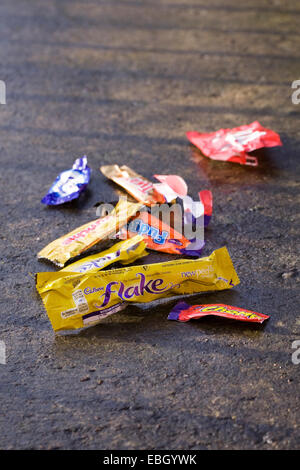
122, 81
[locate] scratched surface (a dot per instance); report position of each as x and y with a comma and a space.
122, 81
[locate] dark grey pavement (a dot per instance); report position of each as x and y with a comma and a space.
122, 81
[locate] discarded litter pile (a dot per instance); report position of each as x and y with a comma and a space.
83, 293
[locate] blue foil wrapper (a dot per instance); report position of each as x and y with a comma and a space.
69, 184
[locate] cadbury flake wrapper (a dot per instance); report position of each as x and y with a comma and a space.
69, 184
184, 312
124, 252
136, 185
82, 238
159, 236
84, 299
233, 144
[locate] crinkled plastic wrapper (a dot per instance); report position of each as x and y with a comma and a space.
69, 184
82, 238
193, 210
159, 236
234, 144
184, 312
82, 300
124, 252
136, 185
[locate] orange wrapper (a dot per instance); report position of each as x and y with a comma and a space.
82, 238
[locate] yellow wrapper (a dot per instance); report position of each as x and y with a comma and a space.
136, 185
124, 252
82, 300
82, 238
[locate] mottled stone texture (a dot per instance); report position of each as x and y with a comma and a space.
122, 81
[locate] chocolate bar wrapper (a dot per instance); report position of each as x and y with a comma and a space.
125, 252
171, 187
79, 240
69, 184
84, 299
136, 185
234, 144
184, 312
